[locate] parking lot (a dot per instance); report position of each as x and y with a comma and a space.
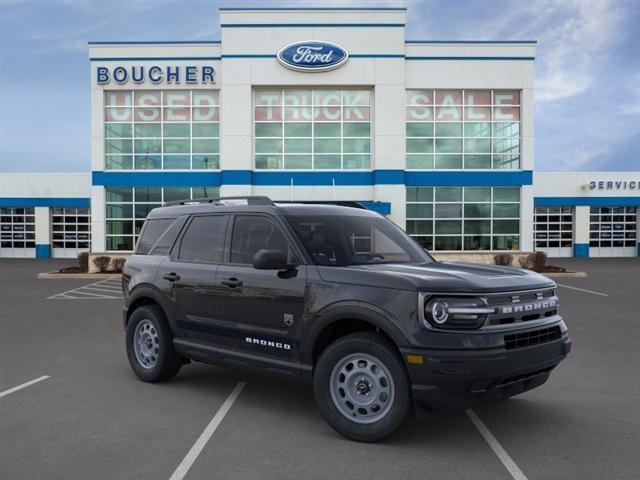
88, 417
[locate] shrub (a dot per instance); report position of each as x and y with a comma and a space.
539, 261
525, 262
102, 263
118, 264
503, 259
83, 261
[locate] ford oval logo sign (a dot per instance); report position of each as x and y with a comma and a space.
312, 56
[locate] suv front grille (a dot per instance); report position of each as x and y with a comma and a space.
522, 306
535, 337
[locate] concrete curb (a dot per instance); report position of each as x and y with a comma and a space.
68, 276
565, 274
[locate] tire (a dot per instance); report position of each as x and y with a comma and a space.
152, 358
362, 388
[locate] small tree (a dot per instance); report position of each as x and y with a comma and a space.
83, 261
102, 263
118, 264
503, 259
539, 261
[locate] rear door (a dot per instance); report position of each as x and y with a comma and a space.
259, 310
188, 275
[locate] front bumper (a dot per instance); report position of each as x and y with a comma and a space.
459, 379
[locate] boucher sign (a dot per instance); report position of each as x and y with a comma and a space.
614, 185
171, 74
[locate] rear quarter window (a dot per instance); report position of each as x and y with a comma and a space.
151, 233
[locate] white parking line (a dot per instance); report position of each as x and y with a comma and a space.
583, 290
23, 385
103, 289
204, 437
500, 452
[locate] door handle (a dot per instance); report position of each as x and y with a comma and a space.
232, 282
172, 277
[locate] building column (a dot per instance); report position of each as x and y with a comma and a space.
43, 232
526, 218
581, 232
98, 214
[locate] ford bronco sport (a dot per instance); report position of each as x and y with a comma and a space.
340, 297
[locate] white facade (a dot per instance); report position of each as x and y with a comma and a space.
437, 135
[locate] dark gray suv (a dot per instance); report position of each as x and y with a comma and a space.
340, 297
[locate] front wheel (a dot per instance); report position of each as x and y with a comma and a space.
150, 345
362, 388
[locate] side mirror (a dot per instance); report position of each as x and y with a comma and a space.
271, 260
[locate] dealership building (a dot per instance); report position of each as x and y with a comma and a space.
322, 105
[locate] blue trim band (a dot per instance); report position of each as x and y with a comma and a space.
474, 42
471, 58
303, 9
586, 201
44, 202
581, 250
316, 178
158, 42
147, 59
43, 250
303, 25
383, 208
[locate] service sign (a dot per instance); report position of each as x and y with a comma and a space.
312, 56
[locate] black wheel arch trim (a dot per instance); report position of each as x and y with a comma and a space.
146, 291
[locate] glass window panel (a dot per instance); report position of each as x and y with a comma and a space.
326, 145
419, 194
297, 129
506, 242
176, 146
297, 161
115, 194
424, 162
506, 145
177, 162
148, 162
268, 146
506, 226
475, 145
142, 209
298, 114
480, 129
448, 114
506, 210
115, 243
148, 146
506, 194
298, 97
477, 194
327, 161
205, 145
116, 145
478, 227
448, 97
268, 129
419, 145
419, 129
268, 114
477, 242
419, 227
448, 145
477, 210
477, 161
355, 161
356, 145
142, 130
356, 130
268, 97
269, 161
448, 129
448, 226
448, 162
416, 114
205, 162
297, 146
511, 129
448, 210
417, 210
122, 227
356, 97
177, 130
118, 162
206, 129
448, 194
117, 130
175, 194
119, 211
506, 161
327, 129
355, 114
148, 194
205, 192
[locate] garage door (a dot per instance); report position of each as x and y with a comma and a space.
553, 228
613, 232
17, 232
70, 231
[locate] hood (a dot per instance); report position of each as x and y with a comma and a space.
438, 277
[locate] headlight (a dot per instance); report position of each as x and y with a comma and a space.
456, 312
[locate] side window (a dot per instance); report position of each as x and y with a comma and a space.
253, 233
204, 239
152, 231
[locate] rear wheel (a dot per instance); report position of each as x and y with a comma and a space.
362, 388
150, 345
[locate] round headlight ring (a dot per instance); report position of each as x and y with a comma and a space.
439, 312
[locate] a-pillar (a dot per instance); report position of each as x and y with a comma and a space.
581, 232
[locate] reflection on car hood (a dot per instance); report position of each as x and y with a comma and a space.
437, 277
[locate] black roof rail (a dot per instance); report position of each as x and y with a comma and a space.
250, 200
338, 203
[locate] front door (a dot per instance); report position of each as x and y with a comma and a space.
259, 310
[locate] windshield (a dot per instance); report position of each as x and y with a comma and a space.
340, 241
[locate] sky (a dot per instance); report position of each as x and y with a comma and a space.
587, 68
